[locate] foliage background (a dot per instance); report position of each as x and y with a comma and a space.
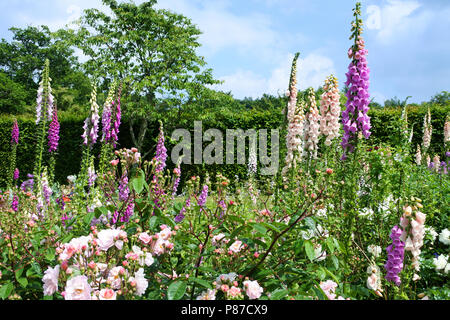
264, 113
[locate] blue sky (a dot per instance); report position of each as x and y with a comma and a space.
250, 44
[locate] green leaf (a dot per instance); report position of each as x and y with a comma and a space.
19, 273
335, 261
88, 218
23, 282
36, 268
152, 222
309, 248
330, 274
138, 183
202, 282
176, 290
99, 211
330, 244
259, 228
50, 254
310, 223
271, 226
319, 292
237, 231
5, 290
279, 294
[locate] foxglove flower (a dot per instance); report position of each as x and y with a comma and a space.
107, 115
44, 88
16, 174
124, 191
91, 176
330, 110
128, 212
53, 133
177, 172
161, 151
312, 125
90, 127
40, 93
15, 203
447, 130
295, 121
15, 133
115, 128
418, 156
395, 256
252, 161
202, 198
46, 190
427, 131
28, 184
354, 117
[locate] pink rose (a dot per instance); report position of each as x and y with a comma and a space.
107, 294
253, 289
145, 238
78, 288
236, 246
50, 280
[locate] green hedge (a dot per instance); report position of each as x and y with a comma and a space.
70, 145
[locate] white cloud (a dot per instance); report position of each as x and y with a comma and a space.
311, 72
397, 19
244, 83
223, 29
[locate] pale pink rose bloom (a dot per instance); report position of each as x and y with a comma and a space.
329, 287
253, 289
144, 237
234, 292
140, 281
81, 244
160, 246
50, 280
115, 278
78, 288
107, 239
107, 294
101, 266
165, 233
143, 257
67, 253
217, 239
236, 246
209, 294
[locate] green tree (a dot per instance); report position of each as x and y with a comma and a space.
153, 51
442, 98
12, 95
22, 60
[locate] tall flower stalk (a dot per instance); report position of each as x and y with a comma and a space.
90, 135
354, 117
295, 122
107, 113
427, 131
312, 126
330, 110
53, 139
161, 151
44, 103
12, 161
